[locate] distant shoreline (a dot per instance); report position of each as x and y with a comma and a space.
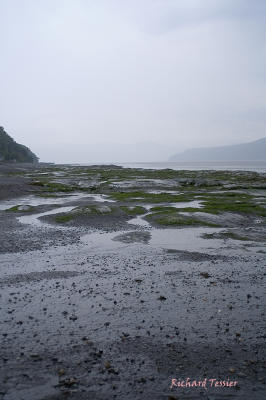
252, 166
245, 165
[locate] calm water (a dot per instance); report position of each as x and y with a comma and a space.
257, 166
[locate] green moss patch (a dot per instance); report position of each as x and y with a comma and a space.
225, 235
238, 204
64, 217
20, 208
53, 187
170, 218
137, 210
163, 209
86, 211
141, 196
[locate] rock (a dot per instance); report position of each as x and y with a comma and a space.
68, 382
104, 209
36, 357
142, 380
205, 275
24, 208
107, 364
162, 298
61, 372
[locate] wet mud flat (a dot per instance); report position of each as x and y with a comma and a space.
122, 283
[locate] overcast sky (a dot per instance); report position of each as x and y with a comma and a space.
131, 80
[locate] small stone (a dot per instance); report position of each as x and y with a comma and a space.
69, 382
35, 355
205, 275
107, 365
61, 372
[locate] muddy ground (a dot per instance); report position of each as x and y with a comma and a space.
116, 281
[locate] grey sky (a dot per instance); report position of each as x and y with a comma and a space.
82, 80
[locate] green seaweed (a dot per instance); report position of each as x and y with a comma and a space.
137, 210
174, 219
64, 217
225, 235
16, 208
141, 196
83, 211
242, 206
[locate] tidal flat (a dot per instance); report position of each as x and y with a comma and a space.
114, 281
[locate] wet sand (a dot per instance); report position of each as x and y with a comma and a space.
109, 305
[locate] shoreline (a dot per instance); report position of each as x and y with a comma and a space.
88, 317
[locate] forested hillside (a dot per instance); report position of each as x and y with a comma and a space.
12, 151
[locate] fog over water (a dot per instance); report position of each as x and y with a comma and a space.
122, 81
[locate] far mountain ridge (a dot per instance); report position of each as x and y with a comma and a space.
252, 151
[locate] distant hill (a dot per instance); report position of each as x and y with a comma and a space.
12, 151
253, 151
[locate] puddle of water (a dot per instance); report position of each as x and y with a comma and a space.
102, 198
142, 237
39, 201
193, 204
34, 218
188, 239
163, 191
100, 241
143, 183
139, 221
